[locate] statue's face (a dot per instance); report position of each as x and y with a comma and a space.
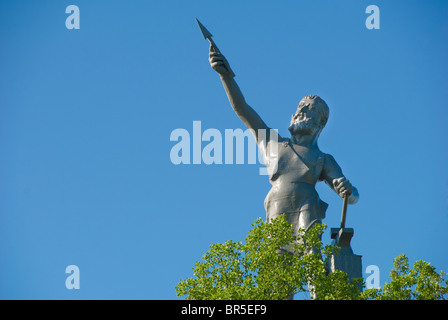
307, 119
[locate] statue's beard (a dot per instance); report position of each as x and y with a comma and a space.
303, 127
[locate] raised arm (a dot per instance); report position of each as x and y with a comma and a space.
248, 115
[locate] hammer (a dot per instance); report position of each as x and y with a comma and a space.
344, 210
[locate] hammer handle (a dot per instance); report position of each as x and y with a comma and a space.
344, 210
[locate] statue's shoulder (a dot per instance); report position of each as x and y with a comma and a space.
326, 155
274, 136
329, 160
285, 142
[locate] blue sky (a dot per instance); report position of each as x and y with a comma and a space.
86, 117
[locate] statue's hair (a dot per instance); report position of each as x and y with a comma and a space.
324, 111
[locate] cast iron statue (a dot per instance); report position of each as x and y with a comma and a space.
299, 163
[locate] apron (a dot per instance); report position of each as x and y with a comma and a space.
293, 190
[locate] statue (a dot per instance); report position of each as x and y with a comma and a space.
300, 164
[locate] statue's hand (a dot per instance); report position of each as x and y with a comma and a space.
342, 186
218, 62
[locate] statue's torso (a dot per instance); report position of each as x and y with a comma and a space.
297, 164
293, 182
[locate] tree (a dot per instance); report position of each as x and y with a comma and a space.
420, 283
272, 264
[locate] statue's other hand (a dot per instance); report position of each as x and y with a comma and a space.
218, 62
342, 186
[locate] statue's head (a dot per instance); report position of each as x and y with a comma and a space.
310, 117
